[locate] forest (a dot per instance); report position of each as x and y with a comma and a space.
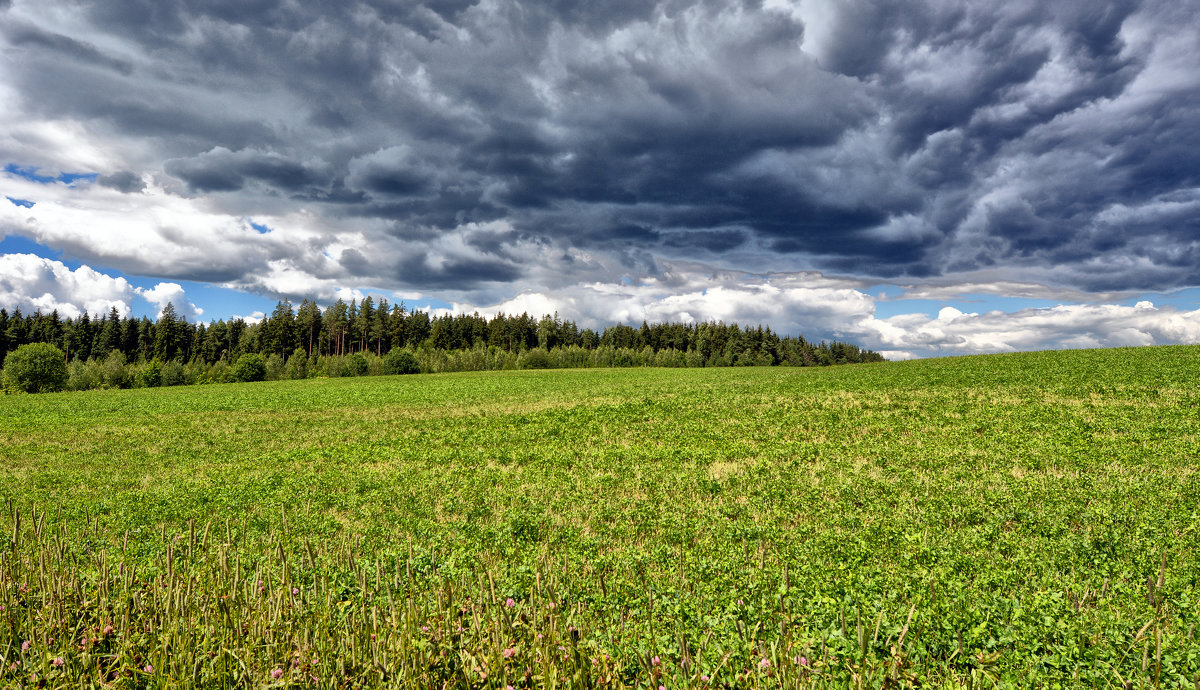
347, 339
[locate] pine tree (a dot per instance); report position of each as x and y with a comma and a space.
167, 334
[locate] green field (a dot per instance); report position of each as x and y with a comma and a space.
1016, 520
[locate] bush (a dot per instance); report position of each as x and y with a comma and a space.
356, 365
172, 374
116, 374
84, 376
537, 358
297, 365
35, 368
330, 366
399, 360
217, 373
150, 375
194, 372
274, 367
250, 367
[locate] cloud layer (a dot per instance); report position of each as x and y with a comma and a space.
806, 303
32, 283
481, 150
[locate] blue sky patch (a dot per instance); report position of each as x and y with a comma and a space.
893, 303
32, 175
23, 203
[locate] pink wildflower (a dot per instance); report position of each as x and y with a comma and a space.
655, 661
277, 673
26, 645
509, 652
57, 663
803, 661
509, 603
295, 591
765, 663
149, 668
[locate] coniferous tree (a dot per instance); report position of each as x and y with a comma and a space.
416, 328
396, 325
168, 334
278, 330
109, 338
3, 335
308, 325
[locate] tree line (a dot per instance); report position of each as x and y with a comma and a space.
333, 340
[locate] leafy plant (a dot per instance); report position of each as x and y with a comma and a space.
250, 367
401, 360
35, 368
356, 365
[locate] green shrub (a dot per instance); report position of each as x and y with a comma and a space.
217, 373
172, 374
194, 372
250, 367
537, 358
274, 367
331, 366
297, 365
356, 365
35, 368
84, 376
150, 374
400, 360
116, 373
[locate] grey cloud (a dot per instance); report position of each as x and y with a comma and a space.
715, 241
25, 35
454, 273
687, 129
123, 181
354, 262
222, 170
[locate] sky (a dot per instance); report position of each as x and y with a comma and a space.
922, 178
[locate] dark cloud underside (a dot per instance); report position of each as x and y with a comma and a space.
879, 139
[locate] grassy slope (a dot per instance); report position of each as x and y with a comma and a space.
1015, 504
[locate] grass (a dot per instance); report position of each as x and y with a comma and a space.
1014, 520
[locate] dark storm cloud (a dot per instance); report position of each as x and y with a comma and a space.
715, 241
222, 170
24, 35
875, 138
454, 273
122, 181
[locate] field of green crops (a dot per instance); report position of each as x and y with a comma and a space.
1026, 520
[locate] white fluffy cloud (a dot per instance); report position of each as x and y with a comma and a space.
820, 308
33, 283
171, 293
1065, 326
809, 304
